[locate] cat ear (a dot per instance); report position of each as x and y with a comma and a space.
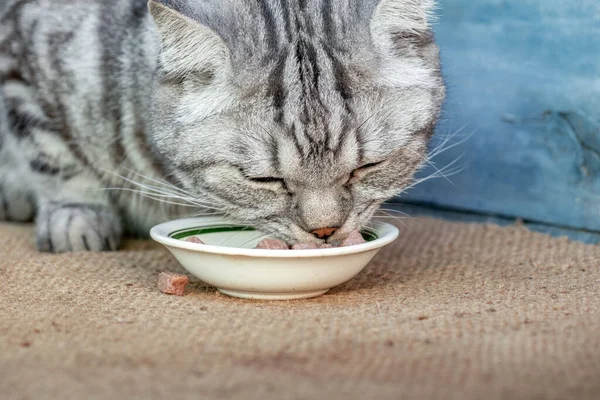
401, 33
396, 19
187, 45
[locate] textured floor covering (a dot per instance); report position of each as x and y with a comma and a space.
449, 311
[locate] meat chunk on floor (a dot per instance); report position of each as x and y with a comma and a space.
171, 283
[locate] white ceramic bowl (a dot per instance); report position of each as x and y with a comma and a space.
230, 262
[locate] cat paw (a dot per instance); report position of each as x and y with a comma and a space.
72, 227
16, 206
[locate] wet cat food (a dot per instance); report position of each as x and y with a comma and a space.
305, 246
353, 238
272, 244
171, 283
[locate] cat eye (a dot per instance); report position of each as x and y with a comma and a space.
261, 179
366, 167
268, 179
200, 77
363, 170
172, 80
370, 165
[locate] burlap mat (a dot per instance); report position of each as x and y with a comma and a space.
450, 311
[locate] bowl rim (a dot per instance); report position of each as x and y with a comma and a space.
386, 233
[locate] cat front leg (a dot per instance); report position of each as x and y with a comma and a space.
43, 159
74, 209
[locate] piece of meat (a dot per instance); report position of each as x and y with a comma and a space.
353, 238
171, 283
305, 246
272, 244
194, 239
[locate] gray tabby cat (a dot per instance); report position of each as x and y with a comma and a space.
292, 115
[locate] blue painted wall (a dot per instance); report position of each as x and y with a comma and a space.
524, 81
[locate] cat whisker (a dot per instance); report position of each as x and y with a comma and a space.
158, 189
394, 210
392, 217
259, 237
431, 164
153, 197
159, 181
161, 191
230, 237
164, 198
436, 174
442, 148
205, 214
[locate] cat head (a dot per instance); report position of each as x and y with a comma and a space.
295, 115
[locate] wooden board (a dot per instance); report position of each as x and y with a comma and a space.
407, 210
524, 83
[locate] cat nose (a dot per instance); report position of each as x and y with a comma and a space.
324, 233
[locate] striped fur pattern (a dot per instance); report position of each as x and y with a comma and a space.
292, 115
